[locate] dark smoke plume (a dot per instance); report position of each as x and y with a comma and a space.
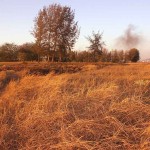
130, 39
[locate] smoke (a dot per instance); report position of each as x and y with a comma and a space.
130, 39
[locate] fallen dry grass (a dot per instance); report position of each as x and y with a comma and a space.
96, 108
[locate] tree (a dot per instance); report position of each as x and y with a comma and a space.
104, 57
96, 45
133, 55
8, 52
55, 30
114, 56
27, 52
22, 56
72, 56
39, 32
121, 56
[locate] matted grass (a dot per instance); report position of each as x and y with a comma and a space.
96, 108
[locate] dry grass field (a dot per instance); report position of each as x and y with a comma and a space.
76, 106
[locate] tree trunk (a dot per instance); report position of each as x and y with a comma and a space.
53, 57
38, 58
48, 58
60, 56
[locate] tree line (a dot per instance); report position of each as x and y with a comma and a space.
28, 52
55, 32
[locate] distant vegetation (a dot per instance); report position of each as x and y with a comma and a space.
28, 52
55, 32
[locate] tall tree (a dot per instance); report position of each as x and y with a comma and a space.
38, 32
96, 45
55, 30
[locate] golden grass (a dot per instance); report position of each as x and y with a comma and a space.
97, 108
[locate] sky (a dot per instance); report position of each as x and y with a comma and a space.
112, 17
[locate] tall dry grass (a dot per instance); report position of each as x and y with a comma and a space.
95, 109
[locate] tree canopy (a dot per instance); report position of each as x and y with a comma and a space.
134, 55
55, 30
96, 45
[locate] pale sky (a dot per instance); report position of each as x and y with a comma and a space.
111, 17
